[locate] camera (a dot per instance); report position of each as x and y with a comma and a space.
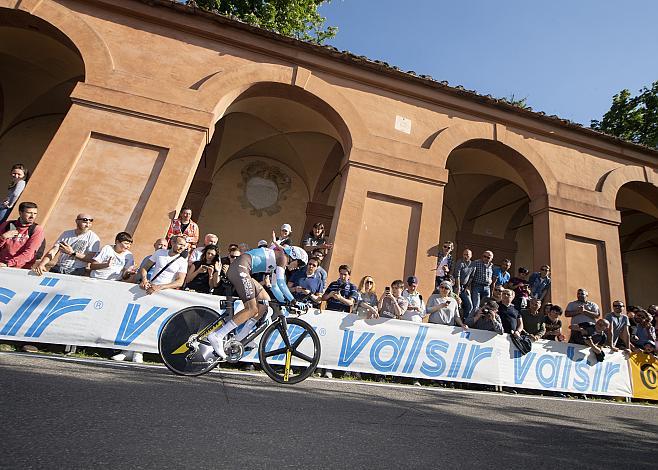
486, 311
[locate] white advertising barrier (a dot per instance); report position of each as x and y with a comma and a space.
89, 312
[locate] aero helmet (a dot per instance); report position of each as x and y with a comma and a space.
297, 253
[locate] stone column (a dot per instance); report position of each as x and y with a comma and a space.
388, 219
126, 160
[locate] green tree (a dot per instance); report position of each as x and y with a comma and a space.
295, 18
634, 118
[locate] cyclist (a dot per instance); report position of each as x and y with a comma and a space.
273, 261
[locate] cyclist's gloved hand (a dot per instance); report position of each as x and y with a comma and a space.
297, 305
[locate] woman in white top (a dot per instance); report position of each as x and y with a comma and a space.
367, 306
442, 307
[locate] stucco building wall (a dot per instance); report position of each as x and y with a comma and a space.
171, 106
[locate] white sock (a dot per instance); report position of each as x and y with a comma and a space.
246, 329
224, 330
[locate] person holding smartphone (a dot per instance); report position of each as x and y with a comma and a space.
392, 304
442, 307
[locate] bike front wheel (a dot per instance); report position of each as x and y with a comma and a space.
182, 344
289, 351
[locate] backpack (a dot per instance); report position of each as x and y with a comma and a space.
30, 231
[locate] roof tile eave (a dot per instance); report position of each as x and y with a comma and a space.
394, 71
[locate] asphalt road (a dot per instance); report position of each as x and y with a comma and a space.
59, 413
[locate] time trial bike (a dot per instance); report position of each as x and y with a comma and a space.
288, 351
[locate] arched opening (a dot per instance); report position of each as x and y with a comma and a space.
273, 159
39, 67
638, 240
485, 204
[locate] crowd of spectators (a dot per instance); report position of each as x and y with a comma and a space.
469, 293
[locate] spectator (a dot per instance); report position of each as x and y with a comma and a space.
203, 274
521, 287
368, 301
540, 283
443, 263
243, 247
553, 323
497, 294
196, 254
481, 279
233, 251
184, 226
19, 177
159, 244
533, 319
320, 272
501, 274
341, 294
284, 235
442, 307
391, 303
593, 334
510, 316
114, 262
645, 331
581, 311
170, 267
415, 306
225, 287
21, 239
486, 318
316, 239
618, 334
76, 248
304, 284
462, 273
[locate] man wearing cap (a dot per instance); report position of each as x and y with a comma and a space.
416, 307
581, 311
284, 235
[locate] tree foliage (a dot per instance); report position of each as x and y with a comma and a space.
634, 118
295, 18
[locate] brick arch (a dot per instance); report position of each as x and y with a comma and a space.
534, 171
222, 89
95, 54
611, 182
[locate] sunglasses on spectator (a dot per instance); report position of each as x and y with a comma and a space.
84, 219
232, 256
618, 305
370, 281
487, 257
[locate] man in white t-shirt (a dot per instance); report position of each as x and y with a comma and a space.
114, 262
75, 247
195, 255
416, 307
169, 267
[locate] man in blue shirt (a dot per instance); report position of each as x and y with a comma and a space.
304, 284
501, 275
341, 294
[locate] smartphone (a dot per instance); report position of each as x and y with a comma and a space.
387, 290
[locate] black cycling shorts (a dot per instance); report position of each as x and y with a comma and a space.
239, 273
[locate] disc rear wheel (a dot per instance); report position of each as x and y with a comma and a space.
182, 343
